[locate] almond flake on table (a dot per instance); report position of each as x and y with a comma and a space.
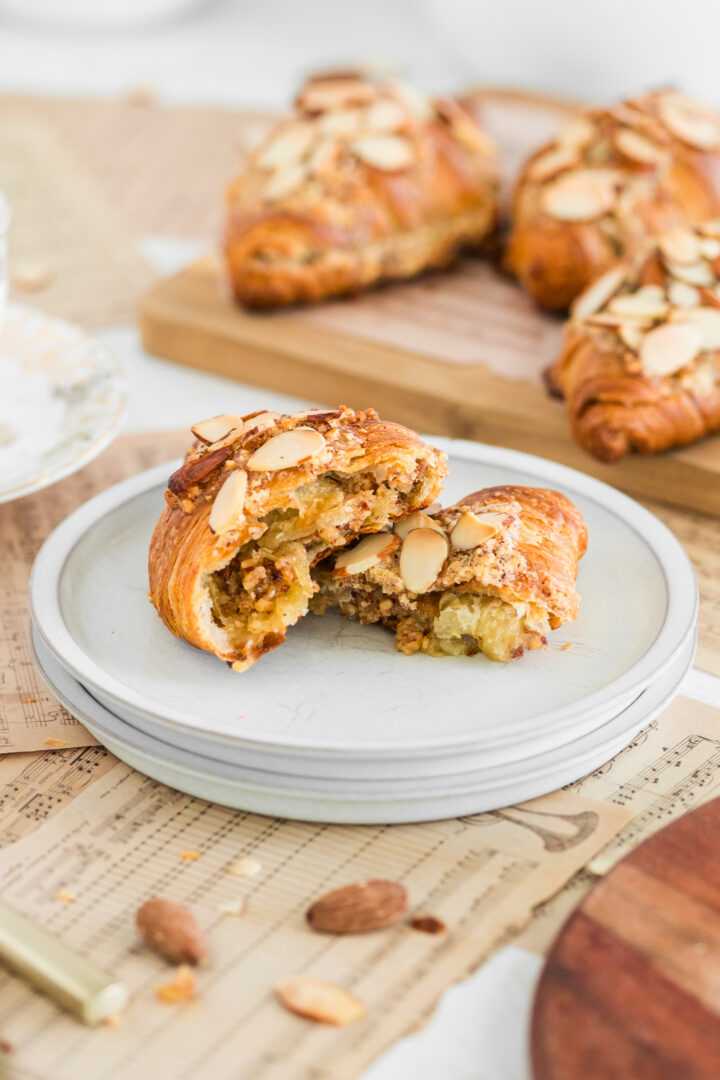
180, 989
189, 856
65, 896
246, 867
233, 907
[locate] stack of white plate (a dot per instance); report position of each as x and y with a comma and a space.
336, 725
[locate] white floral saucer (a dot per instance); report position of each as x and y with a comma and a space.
62, 399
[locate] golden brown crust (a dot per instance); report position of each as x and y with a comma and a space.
365, 183
526, 557
643, 167
352, 447
622, 395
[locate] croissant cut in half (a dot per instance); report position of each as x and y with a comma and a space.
640, 365
258, 501
495, 573
609, 180
365, 182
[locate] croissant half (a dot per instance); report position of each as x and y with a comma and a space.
640, 366
608, 181
258, 501
493, 574
364, 183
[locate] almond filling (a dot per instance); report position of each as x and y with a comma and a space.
266, 586
442, 624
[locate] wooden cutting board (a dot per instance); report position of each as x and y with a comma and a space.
458, 353
631, 987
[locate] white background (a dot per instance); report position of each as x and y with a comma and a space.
254, 53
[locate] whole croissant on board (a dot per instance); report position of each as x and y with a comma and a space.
364, 183
258, 501
640, 366
609, 180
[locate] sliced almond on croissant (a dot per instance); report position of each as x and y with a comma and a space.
680, 246
474, 529
690, 121
422, 558
417, 520
584, 195
390, 153
286, 450
707, 320
228, 509
670, 347
369, 552
597, 294
648, 302
209, 431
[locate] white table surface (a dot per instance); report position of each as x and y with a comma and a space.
227, 55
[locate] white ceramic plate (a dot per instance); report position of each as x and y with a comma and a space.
336, 689
357, 803
62, 399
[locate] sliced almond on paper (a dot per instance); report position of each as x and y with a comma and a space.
319, 1000
417, 520
670, 347
390, 153
285, 181
584, 195
359, 907
707, 319
682, 295
287, 147
474, 529
648, 302
422, 558
228, 509
637, 147
369, 552
599, 292
680, 246
384, 116
286, 450
690, 121
209, 431
698, 273
552, 162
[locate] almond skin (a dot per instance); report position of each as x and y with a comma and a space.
172, 931
359, 908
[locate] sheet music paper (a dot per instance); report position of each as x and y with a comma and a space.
671, 767
120, 842
29, 714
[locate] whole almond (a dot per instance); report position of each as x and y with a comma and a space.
172, 931
358, 908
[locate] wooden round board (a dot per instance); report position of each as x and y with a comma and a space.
631, 987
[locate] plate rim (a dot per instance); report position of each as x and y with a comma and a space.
681, 585
103, 440
189, 763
